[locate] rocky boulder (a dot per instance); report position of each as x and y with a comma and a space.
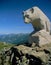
39, 38
24, 55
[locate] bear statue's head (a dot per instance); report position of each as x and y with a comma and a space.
30, 14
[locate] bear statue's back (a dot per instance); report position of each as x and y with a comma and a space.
40, 13
44, 19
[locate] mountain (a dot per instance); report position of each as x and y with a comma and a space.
14, 38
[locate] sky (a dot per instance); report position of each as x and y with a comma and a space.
11, 18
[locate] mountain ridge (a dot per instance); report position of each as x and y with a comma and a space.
14, 38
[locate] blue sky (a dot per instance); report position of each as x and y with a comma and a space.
11, 19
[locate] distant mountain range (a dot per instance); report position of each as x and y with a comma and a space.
14, 38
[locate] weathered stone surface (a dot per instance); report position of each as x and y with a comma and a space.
36, 52
40, 38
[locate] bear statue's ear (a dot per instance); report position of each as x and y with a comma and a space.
32, 10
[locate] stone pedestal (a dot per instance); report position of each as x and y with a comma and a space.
40, 38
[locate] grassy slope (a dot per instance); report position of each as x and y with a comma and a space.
6, 45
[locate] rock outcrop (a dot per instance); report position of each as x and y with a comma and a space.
24, 55
39, 38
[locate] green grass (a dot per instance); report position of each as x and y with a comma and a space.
5, 45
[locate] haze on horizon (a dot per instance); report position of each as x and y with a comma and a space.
11, 19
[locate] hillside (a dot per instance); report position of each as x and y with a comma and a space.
14, 38
5, 45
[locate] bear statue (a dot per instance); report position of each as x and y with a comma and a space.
37, 18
